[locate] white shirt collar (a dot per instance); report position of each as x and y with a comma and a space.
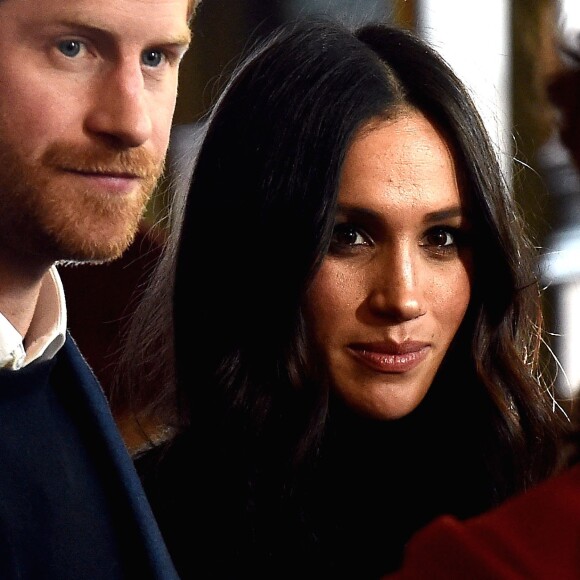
47, 331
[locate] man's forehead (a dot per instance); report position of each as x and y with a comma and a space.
148, 21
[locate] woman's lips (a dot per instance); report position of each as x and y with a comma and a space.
391, 358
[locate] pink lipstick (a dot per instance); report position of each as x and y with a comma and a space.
389, 357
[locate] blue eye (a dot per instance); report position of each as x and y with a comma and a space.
70, 48
152, 58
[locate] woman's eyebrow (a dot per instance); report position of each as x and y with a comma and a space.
357, 211
445, 213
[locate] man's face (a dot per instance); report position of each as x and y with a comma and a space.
87, 95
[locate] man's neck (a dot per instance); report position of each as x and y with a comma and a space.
20, 283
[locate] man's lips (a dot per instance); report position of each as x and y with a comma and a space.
118, 182
114, 172
391, 357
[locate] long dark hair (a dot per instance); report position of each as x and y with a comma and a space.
256, 225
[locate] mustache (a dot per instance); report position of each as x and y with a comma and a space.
98, 159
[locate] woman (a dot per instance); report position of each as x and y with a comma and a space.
356, 317
535, 534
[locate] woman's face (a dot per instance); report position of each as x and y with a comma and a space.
395, 285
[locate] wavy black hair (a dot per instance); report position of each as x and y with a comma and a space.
226, 302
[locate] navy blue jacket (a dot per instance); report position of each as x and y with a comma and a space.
71, 503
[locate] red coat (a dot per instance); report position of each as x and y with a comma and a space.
535, 536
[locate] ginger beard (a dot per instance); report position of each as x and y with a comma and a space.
57, 214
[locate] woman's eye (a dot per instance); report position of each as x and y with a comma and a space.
70, 48
152, 58
440, 237
347, 235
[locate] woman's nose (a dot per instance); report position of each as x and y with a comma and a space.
397, 291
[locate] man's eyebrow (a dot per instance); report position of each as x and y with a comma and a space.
182, 38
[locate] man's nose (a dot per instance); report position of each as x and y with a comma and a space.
120, 109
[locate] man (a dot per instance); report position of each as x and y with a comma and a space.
87, 94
